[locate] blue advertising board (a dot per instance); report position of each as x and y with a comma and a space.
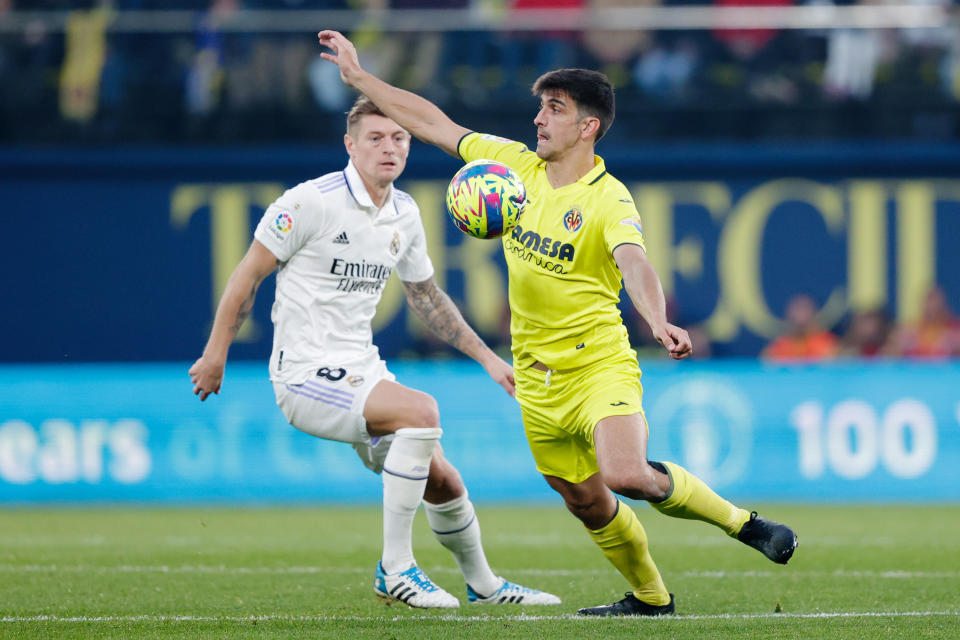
122, 255
841, 432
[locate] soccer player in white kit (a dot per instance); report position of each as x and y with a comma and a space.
336, 240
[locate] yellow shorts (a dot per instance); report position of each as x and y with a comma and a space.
560, 413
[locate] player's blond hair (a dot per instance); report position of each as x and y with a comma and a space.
362, 106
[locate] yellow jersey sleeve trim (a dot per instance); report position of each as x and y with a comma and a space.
460, 142
639, 244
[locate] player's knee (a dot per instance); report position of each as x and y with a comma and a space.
594, 513
583, 506
423, 413
639, 483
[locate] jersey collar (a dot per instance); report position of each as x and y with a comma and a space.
359, 191
593, 176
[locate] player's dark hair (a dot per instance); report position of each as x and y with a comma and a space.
591, 90
362, 106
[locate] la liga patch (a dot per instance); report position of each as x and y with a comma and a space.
283, 222
633, 222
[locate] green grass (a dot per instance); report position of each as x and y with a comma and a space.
860, 572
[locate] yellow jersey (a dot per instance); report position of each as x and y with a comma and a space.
564, 284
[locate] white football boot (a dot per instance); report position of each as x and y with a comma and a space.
511, 593
412, 587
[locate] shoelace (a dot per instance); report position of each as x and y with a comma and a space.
514, 588
421, 579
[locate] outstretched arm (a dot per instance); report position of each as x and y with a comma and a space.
235, 305
643, 285
420, 117
438, 312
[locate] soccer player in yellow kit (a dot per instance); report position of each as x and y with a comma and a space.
577, 378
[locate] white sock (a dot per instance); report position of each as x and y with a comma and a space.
456, 527
405, 472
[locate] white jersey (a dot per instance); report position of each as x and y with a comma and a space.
336, 251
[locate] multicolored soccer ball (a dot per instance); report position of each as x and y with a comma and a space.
485, 199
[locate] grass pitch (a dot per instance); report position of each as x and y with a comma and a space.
860, 572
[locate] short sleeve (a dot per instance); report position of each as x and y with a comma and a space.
622, 225
483, 146
289, 222
415, 264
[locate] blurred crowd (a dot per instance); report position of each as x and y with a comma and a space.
934, 335
870, 334
87, 83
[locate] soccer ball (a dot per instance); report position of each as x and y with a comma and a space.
485, 199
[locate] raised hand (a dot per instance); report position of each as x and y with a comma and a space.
344, 54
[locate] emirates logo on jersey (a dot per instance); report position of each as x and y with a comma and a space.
395, 244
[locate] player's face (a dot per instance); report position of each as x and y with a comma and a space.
379, 148
558, 123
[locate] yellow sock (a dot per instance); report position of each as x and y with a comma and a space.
692, 499
624, 542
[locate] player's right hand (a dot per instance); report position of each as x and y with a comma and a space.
344, 54
675, 340
206, 374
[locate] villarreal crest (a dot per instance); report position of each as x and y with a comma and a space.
573, 219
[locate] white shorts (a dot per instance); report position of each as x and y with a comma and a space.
330, 405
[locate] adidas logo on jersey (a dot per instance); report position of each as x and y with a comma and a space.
342, 238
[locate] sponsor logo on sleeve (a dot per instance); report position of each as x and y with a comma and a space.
633, 222
282, 225
493, 138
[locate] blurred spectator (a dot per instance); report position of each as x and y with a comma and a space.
204, 78
613, 50
86, 47
866, 335
746, 43
414, 60
804, 339
950, 65
267, 72
529, 54
666, 70
936, 335
853, 56
234, 87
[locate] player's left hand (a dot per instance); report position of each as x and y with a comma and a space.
344, 54
502, 373
675, 340
206, 374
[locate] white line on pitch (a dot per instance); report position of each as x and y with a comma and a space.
222, 569
456, 618
513, 540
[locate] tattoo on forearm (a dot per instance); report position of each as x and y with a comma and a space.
438, 312
244, 310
